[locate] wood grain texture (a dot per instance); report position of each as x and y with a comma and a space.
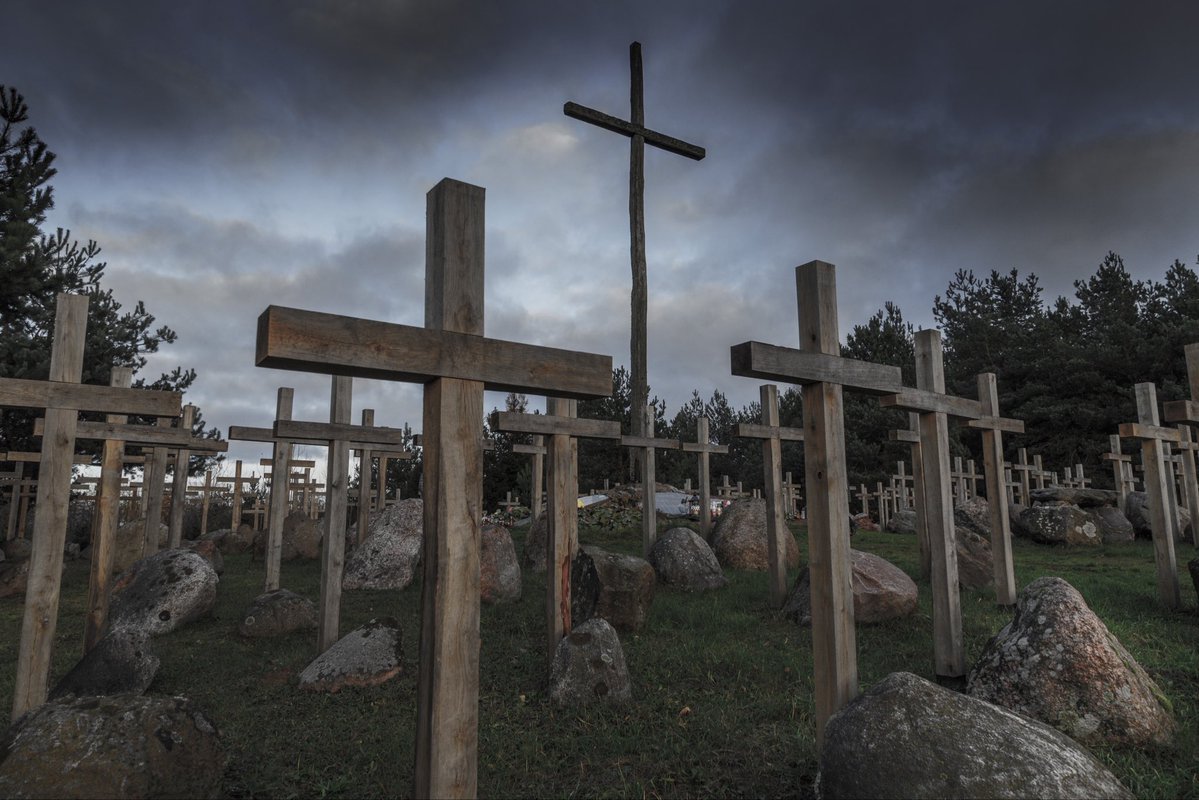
366, 467
703, 448
40, 617
948, 648
834, 640
337, 478
155, 477
179, 482
772, 363
21, 393
753, 430
776, 520
932, 402
324, 432
997, 507
1157, 478
244, 433
1190, 479
1141, 430
617, 125
550, 424
562, 527
310, 341
281, 466
448, 675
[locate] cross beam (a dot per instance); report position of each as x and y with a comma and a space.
455, 362
818, 367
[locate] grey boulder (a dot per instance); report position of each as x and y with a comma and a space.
683, 560
162, 592
589, 667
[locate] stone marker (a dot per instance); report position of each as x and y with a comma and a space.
162, 592
277, 613
683, 560
368, 656
499, 568
881, 591
589, 667
391, 553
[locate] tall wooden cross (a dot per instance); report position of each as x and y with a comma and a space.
339, 436
455, 362
820, 369
639, 136
773, 435
993, 426
648, 444
563, 427
62, 397
1187, 412
703, 447
935, 407
238, 482
1154, 440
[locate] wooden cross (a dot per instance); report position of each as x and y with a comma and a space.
1186, 413
993, 427
237, 482
1039, 474
773, 435
703, 447
1083, 481
911, 435
1009, 482
724, 489
537, 451
958, 477
882, 505
1025, 469
901, 480
62, 397
819, 368
935, 407
1190, 481
648, 444
563, 428
339, 436
1121, 469
864, 496
1154, 438
509, 503
791, 494
971, 478
639, 136
455, 362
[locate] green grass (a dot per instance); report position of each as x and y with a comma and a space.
722, 689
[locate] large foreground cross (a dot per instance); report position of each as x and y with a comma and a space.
820, 369
639, 137
456, 363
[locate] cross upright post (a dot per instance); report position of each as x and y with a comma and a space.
639, 136
703, 447
911, 435
773, 435
563, 427
62, 397
537, 479
1187, 413
648, 444
455, 362
1154, 440
820, 369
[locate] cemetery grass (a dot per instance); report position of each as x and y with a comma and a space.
722, 688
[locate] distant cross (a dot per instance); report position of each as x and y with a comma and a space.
1190, 481
62, 397
238, 482
1187, 412
509, 503
1025, 469
1154, 441
882, 505
1010, 483
1039, 474
649, 444
911, 435
703, 447
1121, 468
639, 136
791, 494
958, 477
1083, 481
562, 428
773, 434
819, 368
455, 362
971, 477
901, 479
537, 479
864, 497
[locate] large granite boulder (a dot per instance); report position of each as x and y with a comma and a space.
391, 554
1083, 498
233, 541
972, 535
368, 656
162, 592
589, 667
302, 536
1057, 662
682, 559
903, 521
128, 746
1113, 526
499, 569
881, 591
739, 537
624, 588
1059, 524
536, 542
909, 738
1136, 508
121, 663
14, 578
277, 613
209, 551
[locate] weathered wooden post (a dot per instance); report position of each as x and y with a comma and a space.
1187, 412
62, 397
992, 427
179, 481
773, 434
455, 362
154, 474
1153, 438
649, 480
537, 479
703, 447
822, 372
639, 136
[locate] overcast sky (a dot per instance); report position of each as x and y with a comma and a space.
228, 156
